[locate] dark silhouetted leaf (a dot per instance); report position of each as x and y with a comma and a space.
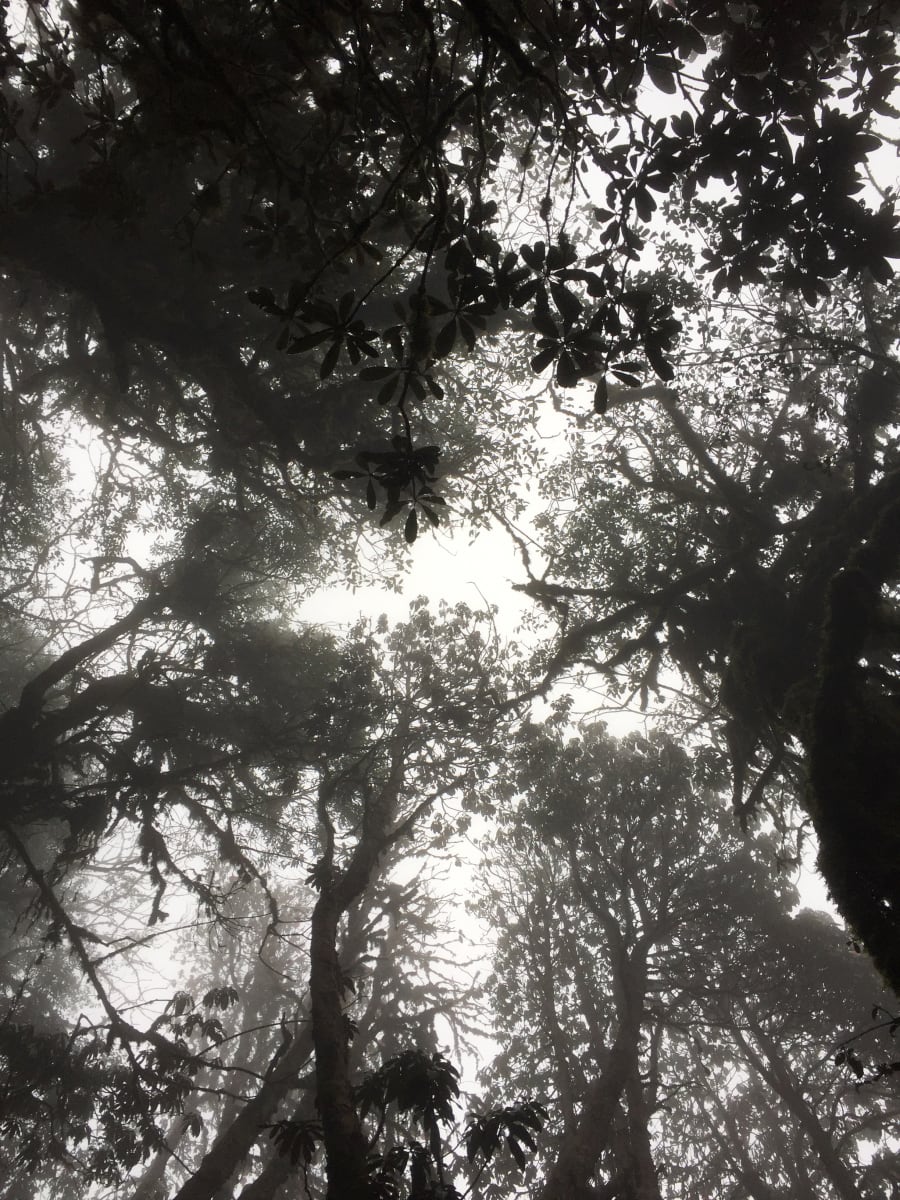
411, 528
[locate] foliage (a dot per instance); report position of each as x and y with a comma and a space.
423, 1085
739, 1003
514, 1125
187, 283
716, 555
279, 280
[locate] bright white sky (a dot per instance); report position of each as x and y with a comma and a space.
445, 565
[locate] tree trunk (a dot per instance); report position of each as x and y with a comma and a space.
277, 1171
779, 1078
346, 1151
235, 1142
151, 1185
641, 1169
233, 1145
583, 1144
345, 1143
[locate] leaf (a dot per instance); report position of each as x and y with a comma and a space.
181, 1002
221, 997
567, 374
544, 323
658, 362
393, 508
264, 298
386, 391
517, 1152
381, 372
534, 255
625, 377
416, 386
192, 1123
644, 204
434, 387
308, 340
446, 337
295, 295
411, 528
329, 362
543, 359
751, 96
562, 255
567, 302
370, 495
682, 126
662, 75
660, 182
601, 397
468, 334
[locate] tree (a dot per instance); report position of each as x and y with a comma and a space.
165, 170
268, 268
753, 551
674, 1016
179, 284
276, 753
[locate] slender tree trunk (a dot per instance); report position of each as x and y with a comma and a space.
772, 1068
233, 1145
569, 1178
568, 1074
346, 1151
235, 1142
345, 1143
735, 1150
151, 1185
277, 1171
645, 1185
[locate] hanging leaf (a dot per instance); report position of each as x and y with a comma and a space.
411, 528
543, 359
329, 362
388, 388
567, 374
445, 340
601, 397
392, 509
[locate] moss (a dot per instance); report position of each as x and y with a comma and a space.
854, 752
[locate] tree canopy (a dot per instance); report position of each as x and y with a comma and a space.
286, 288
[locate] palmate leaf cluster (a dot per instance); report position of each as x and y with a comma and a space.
424, 1086
514, 1126
425, 1089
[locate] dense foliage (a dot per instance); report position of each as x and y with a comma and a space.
284, 287
677, 1038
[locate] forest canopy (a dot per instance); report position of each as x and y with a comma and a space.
287, 289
